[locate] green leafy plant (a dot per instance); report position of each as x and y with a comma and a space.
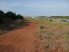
50, 20
41, 26
46, 19
1, 16
19, 16
63, 21
11, 15
66, 36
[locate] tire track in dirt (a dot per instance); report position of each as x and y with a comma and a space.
22, 36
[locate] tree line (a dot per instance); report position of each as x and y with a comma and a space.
60, 17
8, 16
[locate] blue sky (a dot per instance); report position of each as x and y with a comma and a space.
36, 7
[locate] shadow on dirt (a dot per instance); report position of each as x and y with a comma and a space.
25, 23
21, 26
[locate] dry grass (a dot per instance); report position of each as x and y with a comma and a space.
52, 34
49, 44
65, 44
53, 30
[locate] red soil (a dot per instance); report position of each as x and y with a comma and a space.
22, 37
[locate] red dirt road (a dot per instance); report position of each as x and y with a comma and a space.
22, 37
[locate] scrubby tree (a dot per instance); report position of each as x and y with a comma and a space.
19, 16
11, 15
1, 12
1, 16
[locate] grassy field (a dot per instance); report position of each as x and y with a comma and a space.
55, 17
53, 34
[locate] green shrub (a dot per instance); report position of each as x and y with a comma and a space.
1, 16
46, 19
1, 12
66, 36
19, 16
50, 20
11, 15
8, 17
41, 26
63, 21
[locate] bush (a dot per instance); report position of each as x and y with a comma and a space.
1, 12
8, 17
50, 20
7, 20
46, 19
19, 16
63, 21
41, 26
1, 16
11, 15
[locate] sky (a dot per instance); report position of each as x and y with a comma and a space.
36, 7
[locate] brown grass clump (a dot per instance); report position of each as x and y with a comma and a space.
52, 45
65, 44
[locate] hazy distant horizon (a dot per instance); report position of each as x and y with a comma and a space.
37, 16
36, 7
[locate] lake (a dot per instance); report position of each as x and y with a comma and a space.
59, 19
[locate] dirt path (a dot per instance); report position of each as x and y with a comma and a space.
23, 37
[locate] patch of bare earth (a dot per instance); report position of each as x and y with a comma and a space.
21, 39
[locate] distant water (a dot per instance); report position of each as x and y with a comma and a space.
59, 19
